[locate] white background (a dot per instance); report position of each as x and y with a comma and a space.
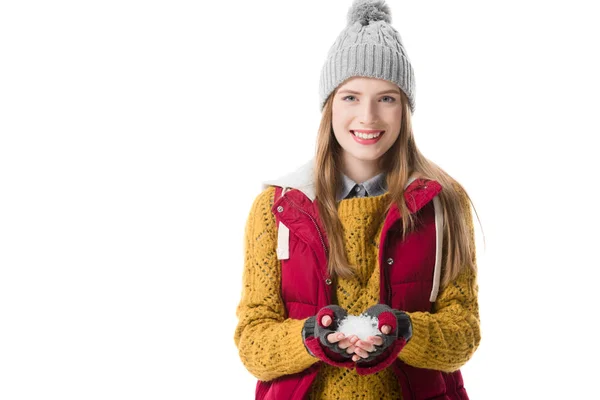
135, 135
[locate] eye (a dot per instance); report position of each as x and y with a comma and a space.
391, 99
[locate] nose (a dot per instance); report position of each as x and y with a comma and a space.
368, 115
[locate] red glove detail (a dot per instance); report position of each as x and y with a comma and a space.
388, 318
387, 358
323, 312
330, 357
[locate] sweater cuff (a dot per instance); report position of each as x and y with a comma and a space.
299, 352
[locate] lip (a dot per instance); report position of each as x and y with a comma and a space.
367, 141
367, 130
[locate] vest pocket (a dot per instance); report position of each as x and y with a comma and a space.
289, 387
421, 383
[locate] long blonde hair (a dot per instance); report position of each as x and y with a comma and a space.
400, 162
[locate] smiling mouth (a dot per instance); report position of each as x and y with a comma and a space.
367, 134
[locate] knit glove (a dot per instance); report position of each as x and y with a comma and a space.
314, 335
384, 355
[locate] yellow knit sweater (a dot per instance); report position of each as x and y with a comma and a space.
271, 346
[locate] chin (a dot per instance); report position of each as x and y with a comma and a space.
365, 157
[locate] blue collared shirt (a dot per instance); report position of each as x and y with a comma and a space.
375, 186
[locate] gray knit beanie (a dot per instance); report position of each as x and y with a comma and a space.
369, 46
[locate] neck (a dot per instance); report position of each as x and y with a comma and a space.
359, 170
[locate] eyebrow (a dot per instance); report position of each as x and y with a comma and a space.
354, 92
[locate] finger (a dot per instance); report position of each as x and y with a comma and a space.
386, 329
344, 343
365, 345
361, 352
350, 349
356, 358
326, 320
376, 340
335, 337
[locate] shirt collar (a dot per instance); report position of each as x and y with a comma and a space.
375, 186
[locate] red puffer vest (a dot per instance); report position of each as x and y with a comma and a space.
409, 271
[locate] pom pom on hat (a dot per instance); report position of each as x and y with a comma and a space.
366, 11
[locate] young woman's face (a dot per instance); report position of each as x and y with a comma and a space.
366, 104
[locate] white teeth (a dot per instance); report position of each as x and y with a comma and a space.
366, 135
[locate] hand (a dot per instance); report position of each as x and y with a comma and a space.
344, 342
396, 329
322, 341
364, 347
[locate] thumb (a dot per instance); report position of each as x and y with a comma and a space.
326, 320
386, 329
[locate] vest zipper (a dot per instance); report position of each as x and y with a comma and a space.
384, 266
327, 277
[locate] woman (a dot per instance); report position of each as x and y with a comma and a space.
368, 226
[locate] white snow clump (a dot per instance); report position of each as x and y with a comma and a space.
362, 326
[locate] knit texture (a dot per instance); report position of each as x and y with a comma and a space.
362, 219
271, 346
368, 46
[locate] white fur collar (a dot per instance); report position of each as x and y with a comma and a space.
301, 179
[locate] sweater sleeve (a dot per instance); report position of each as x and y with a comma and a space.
269, 344
447, 338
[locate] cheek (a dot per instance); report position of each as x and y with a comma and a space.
392, 138
340, 125
341, 114
395, 123
339, 133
